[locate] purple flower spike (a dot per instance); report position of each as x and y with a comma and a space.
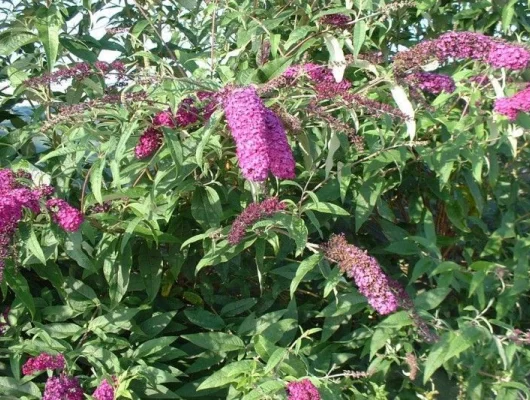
282, 164
246, 117
384, 294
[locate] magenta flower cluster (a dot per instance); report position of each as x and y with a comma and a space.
432, 82
251, 214
63, 387
261, 140
302, 390
43, 362
511, 106
383, 293
66, 216
188, 113
16, 195
105, 391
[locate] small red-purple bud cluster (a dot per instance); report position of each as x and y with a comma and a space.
188, 113
105, 391
431, 82
251, 214
43, 362
302, 390
384, 294
77, 72
63, 387
339, 20
66, 216
261, 140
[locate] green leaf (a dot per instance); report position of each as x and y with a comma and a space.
96, 178
296, 229
206, 207
238, 307
30, 239
216, 341
277, 357
151, 272
327, 208
156, 324
228, 374
153, 346
48, 24
305, 266
13, 39
365, 201
204, 319
13, 387
359, 36
431, 299
20, 286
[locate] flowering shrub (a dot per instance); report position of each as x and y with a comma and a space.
264, 200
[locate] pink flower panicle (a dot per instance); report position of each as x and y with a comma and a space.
63, 387
66, 216
339, 20
282, 164
463, 46
105, 391
383, 293
164, 118
511, 106
431, 82
261, 140
302, 390
149, 142
43, 362
251, 214
245, 115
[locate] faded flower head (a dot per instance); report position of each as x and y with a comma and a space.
384, 294
66, 216
335, 20
43, 362
302, 390
63, 387
251, 214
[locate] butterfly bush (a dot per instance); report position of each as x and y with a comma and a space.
302, 390
63, 387
66, 216
43, 362
105, 391
432, 83
511, 106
